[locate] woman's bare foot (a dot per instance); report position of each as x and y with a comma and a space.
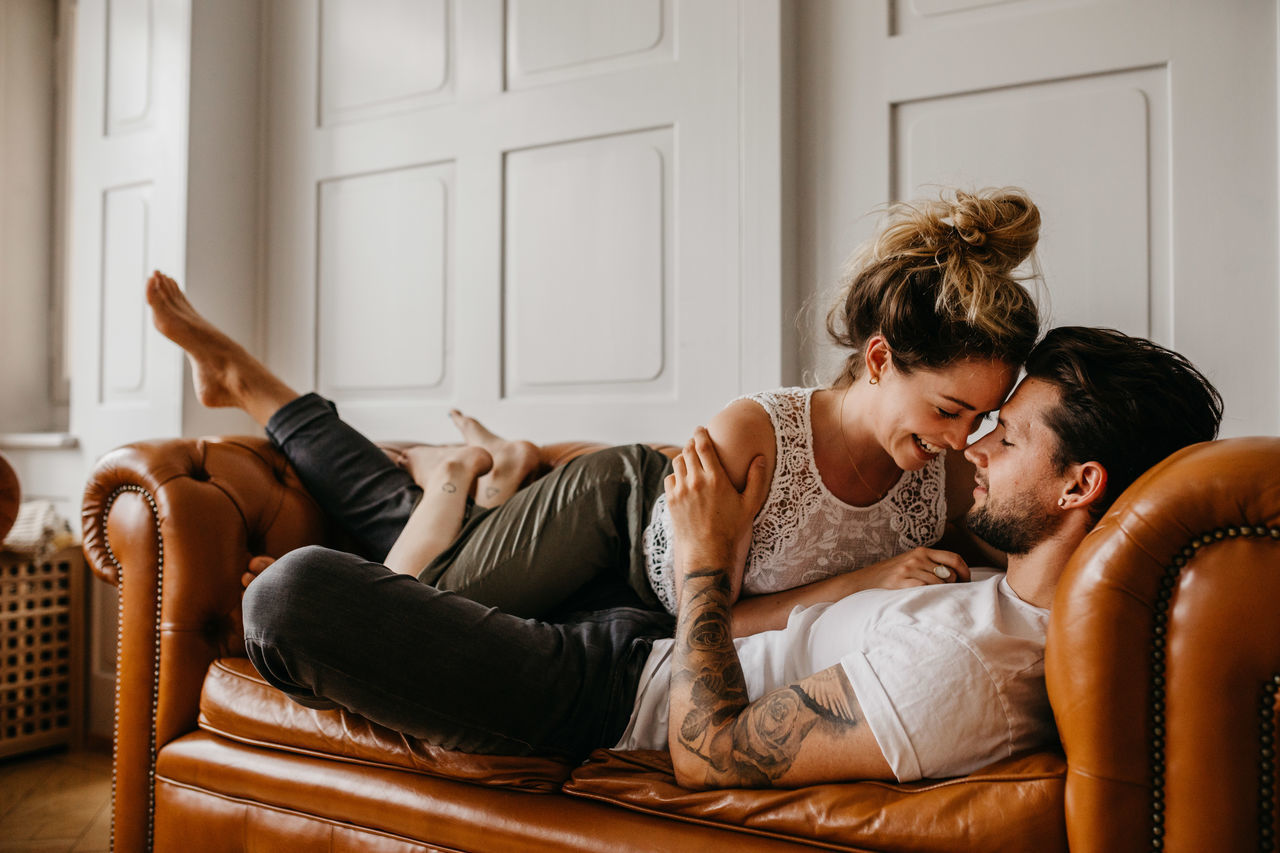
215, 358
257, 565
420, 460
224, 372
456, 470
437, 519
513, 461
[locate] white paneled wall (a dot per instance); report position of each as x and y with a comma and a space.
588, 232
1086, 150
128, 214
531, 210
551, 40
383, 292
130, 83
122, 321
410, 70
1144, 129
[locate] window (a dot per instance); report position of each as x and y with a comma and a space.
33, 384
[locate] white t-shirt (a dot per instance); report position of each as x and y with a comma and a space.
950, 677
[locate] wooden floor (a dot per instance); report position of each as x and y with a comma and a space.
56, 802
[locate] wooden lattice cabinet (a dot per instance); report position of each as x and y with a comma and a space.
41, 649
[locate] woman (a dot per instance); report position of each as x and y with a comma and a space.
936, 326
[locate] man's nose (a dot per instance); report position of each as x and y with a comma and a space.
976, 452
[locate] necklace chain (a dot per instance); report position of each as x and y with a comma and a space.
844, 442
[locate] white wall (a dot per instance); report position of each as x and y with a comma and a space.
558, 216
1146, 129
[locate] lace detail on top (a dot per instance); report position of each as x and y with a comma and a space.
804, 533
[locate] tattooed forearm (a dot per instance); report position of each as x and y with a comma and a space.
706, 676
735, 742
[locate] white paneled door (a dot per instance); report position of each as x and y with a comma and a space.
531, 210
1144, 129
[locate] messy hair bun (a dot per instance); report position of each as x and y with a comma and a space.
939, 282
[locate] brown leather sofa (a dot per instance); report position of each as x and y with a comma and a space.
1162, 666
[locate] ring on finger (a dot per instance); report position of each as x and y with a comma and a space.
941, 572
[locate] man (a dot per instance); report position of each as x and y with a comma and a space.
934, 681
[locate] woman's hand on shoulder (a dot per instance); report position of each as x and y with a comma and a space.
741, 432
917, 567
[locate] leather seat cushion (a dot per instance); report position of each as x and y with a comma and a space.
1012, 805
237, 703
214, 794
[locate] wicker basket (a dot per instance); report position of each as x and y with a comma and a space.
41, 650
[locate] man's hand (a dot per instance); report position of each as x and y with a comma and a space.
711, 520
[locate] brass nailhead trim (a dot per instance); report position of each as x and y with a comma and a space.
1267, 766
1267, 729
155, 679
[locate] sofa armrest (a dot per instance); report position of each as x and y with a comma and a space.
173, 524
1163, 657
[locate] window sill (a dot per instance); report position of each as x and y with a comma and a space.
38, 441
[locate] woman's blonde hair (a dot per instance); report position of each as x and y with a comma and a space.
939, 283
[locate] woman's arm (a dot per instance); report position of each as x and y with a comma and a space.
741, 433
437, 519
916, 567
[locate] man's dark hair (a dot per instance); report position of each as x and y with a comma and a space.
1126, 402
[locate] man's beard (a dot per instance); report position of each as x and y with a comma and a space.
1015, 529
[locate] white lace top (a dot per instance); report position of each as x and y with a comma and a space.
804, 533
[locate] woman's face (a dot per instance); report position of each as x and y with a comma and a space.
921, 413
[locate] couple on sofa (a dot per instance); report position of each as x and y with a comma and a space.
540, 618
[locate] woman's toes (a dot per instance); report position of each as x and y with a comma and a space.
257, 565
473, 432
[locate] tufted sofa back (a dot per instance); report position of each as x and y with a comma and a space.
1163, 658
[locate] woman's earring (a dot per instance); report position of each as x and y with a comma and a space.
875, 380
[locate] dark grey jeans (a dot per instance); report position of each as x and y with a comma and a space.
433, 656
331, 629
570, 540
